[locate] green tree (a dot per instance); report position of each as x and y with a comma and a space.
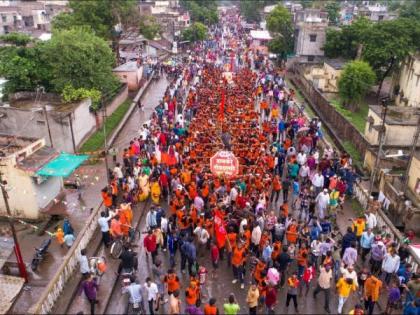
203, 11
17, 39
279, 23
355, 81
100, 15
345, 42
79, 58
196, 32
250, 10
25, 68
333, 10
149, 26
389, 43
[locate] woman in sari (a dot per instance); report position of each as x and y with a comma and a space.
144, 186
155, 192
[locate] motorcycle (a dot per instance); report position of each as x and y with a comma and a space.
40, 253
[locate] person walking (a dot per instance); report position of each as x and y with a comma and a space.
231, 307
150, 244
345, 286
292, 290
390, 265
84, 264
152, 293
103, 222
252, 299
90, 288
324, 285
271, 299
372, 290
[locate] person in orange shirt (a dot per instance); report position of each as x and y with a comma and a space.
302, 259
231, 241
192, 294
171, 281
259, 269
106, 198
238, 260
211, 308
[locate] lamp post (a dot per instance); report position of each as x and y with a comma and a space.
105, 138
381, 142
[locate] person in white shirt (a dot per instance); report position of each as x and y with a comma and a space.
152, 294
118, 172
371, 220
318, 182
255, 237
322, 202
349, 272
301, 158
164, 230
233, 194
202, 238
84, 263
304, 171
135, 295
104, 226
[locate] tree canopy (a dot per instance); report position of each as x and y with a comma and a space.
251, 9
355, 81
383, 44
74, 57
333, 10
203, 11
279, 23
18, 39
149, 27
196, 32
100, 15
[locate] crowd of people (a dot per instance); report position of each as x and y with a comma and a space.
274, 223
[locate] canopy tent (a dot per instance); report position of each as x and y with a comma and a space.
63, 165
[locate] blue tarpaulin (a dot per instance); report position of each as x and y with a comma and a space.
63, 165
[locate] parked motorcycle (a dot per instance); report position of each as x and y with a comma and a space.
40, 253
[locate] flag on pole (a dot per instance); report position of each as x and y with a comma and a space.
222, 106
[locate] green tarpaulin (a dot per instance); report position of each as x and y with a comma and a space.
63, 165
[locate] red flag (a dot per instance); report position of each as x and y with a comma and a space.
222, 106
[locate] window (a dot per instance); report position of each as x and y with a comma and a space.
380, 17
312, 38
311, 58
4, 18
40, 122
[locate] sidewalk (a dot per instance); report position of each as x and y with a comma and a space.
77, 210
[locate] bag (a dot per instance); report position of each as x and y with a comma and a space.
194, 268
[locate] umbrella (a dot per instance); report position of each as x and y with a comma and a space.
303, 129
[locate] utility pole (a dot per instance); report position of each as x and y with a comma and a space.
44, 108
18, 254
412, 152
105, 140
381, 142
72, 133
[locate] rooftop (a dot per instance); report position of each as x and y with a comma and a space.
397, 115
128, 66
28, 101
259, 34
337, 63
10, 144
38, 159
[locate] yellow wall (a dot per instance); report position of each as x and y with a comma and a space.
395, 135
409, 82
414, 175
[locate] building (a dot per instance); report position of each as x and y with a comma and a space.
32, 115
310, 35
414, 177
407, 83
325, 78
375, 12
400, 126
21, 158
260, 40
130, 73
29, 16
